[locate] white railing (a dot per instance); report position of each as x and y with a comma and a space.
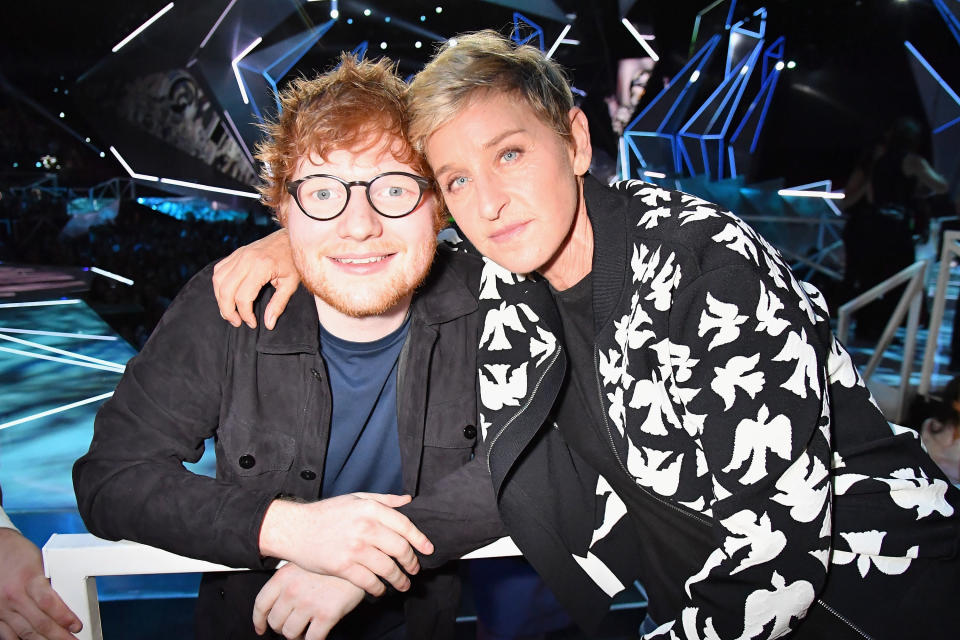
950, 249
912, 297
73, 562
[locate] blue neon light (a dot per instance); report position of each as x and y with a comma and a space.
519, 20
953, 22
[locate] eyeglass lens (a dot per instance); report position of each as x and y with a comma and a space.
390, 194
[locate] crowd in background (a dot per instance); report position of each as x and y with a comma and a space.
158, 252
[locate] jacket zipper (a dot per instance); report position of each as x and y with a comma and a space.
843, 619
524, 407
613, 448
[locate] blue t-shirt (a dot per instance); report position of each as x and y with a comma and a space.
363, 453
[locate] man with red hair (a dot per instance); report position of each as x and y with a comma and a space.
362, 396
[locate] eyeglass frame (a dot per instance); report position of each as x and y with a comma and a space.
293, 187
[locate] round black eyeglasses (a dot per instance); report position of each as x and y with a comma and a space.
393, 194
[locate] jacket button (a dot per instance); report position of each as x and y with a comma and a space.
469, 432
247, 461
306, 474
316, 374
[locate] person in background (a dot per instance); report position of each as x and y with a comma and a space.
29, 607
940, 430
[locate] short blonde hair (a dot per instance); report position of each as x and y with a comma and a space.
352, 107
486, 61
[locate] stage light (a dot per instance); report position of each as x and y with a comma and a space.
62, 352
641, 39
236, 69
58, 334
113, 276
63, 115
556, 44
744, 69
66, 91
417, 44
217, 23
383, 45
453, 42
86, 139
779, 66
129, 170
695, 75
334, 14
423, 18
439, 9
38, 165
140, 29
103, 155
349, 20
387, 19
654, 174
791, 65
55, 89
204, 187
829, 195
65, 407
367, 12
39, 303
16, 164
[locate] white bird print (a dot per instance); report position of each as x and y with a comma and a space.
735, 238
737, 373
911, 491
495, 326
544, 346
647, 468
502, 391
804, 488
805, 374
747, 530
722, 317
651, 217
753, 438
781, 604
866, 546
696, 214
767, 308
492, 272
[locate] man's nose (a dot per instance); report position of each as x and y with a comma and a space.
359, 221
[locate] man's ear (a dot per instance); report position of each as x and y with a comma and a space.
581, 148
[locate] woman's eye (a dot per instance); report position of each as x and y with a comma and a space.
511, 155
457, 183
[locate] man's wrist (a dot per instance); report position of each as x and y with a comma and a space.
277, 528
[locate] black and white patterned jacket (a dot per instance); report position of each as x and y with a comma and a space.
727, 400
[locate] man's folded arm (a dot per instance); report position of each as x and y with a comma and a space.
132, 483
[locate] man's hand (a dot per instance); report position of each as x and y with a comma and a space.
355, 537
295, 599
238, 278
29, 607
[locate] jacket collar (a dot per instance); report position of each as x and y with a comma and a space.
444, 296
607, 209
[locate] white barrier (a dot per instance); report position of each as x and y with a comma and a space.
73, 562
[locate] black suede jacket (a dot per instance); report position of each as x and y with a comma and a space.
264, 398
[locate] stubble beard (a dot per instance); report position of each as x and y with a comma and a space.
377, 295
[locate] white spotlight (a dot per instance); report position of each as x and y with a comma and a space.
779, 66
417, 44
334, 14
140, 29
383, 45
695, 75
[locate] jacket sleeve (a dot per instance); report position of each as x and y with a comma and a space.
132, 484
458, 513
748, 361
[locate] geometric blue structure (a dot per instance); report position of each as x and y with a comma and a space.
951, 15
942, 106
268, 66
720, 137
521, 24
649, 140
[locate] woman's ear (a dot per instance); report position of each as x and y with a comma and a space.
580, 132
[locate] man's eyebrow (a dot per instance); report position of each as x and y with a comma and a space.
492, 142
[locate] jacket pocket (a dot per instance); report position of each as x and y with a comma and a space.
449, 438
252, 450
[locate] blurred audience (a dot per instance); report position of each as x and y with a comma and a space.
158, 252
